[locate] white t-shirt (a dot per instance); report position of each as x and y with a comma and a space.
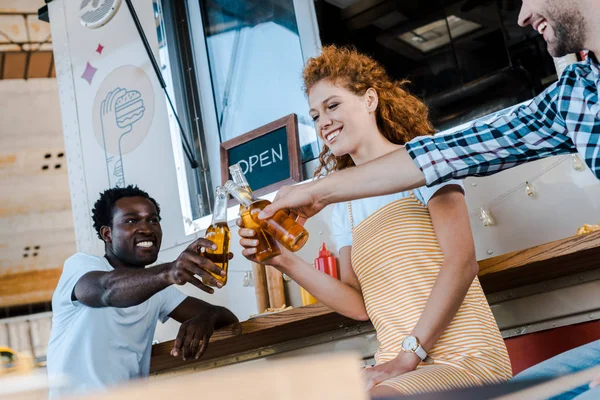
98, 347
361, 209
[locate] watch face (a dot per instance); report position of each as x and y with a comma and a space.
410, 343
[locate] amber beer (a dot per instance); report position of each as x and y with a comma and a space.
218, 232
267, 247
282, 225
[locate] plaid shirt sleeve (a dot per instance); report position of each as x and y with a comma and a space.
541, 128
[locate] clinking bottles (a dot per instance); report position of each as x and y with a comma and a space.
282, 225
267, 246
218, 232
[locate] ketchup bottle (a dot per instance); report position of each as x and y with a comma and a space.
326, 262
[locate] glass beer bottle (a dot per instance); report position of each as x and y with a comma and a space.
267, 246
282, 225
218, 232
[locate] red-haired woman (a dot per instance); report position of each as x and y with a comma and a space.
407, 260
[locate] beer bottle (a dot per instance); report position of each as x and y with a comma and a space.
282, 226
267, 246
218, 232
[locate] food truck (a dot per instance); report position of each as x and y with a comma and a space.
168, 95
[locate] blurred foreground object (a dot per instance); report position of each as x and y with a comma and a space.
13, 362
318, 377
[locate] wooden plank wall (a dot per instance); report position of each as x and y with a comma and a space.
27, 334
36, 223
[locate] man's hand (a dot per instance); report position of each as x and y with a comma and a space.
190, 263
403, 363
300, 199
194, 335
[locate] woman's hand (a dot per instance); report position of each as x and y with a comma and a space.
249, 241
403, 363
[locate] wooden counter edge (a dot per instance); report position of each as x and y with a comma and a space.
261, 332
496, 273
550, 260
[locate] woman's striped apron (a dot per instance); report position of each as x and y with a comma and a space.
396, 257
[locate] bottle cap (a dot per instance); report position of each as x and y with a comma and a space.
323, 252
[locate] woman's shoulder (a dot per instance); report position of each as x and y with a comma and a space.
425, 193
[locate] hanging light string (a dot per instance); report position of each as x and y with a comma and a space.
484, 210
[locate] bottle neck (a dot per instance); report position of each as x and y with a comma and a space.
243, 196
220, 208
239, 178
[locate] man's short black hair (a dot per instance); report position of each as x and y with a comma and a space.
102, 213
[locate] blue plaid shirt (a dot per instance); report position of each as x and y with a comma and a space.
565, 118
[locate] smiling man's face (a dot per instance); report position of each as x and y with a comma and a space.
560, 22
135, 235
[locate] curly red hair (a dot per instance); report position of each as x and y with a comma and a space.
400, 116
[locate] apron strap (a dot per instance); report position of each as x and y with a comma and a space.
350, 215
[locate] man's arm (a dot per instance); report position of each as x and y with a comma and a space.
533, 131
192, 307
126, 287
198, 320
123, 287
530, 132
394, 172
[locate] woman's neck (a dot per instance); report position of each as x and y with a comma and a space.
372, 149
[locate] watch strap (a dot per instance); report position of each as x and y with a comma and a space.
422, 354
419, 351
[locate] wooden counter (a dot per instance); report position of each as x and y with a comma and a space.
306, 326
551, 260
263, 336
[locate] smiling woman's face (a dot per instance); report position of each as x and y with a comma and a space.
342, 118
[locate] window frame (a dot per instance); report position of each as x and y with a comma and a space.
204, 124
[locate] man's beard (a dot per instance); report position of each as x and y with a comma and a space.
569, 32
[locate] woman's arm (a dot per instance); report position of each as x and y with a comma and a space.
344, 297
453, 230
450, 220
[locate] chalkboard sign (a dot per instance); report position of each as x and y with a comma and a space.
269, 155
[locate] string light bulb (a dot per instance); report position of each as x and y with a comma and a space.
529, 189
576, 163
485, 216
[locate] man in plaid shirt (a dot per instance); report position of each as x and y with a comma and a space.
565, 118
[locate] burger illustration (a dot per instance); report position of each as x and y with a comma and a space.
129, 108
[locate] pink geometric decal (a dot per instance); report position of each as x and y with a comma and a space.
89, 73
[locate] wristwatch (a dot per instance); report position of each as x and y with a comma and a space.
411, 345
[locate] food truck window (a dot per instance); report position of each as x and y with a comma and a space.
256, 63
233, 66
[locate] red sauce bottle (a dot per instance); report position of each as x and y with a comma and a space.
326, 262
